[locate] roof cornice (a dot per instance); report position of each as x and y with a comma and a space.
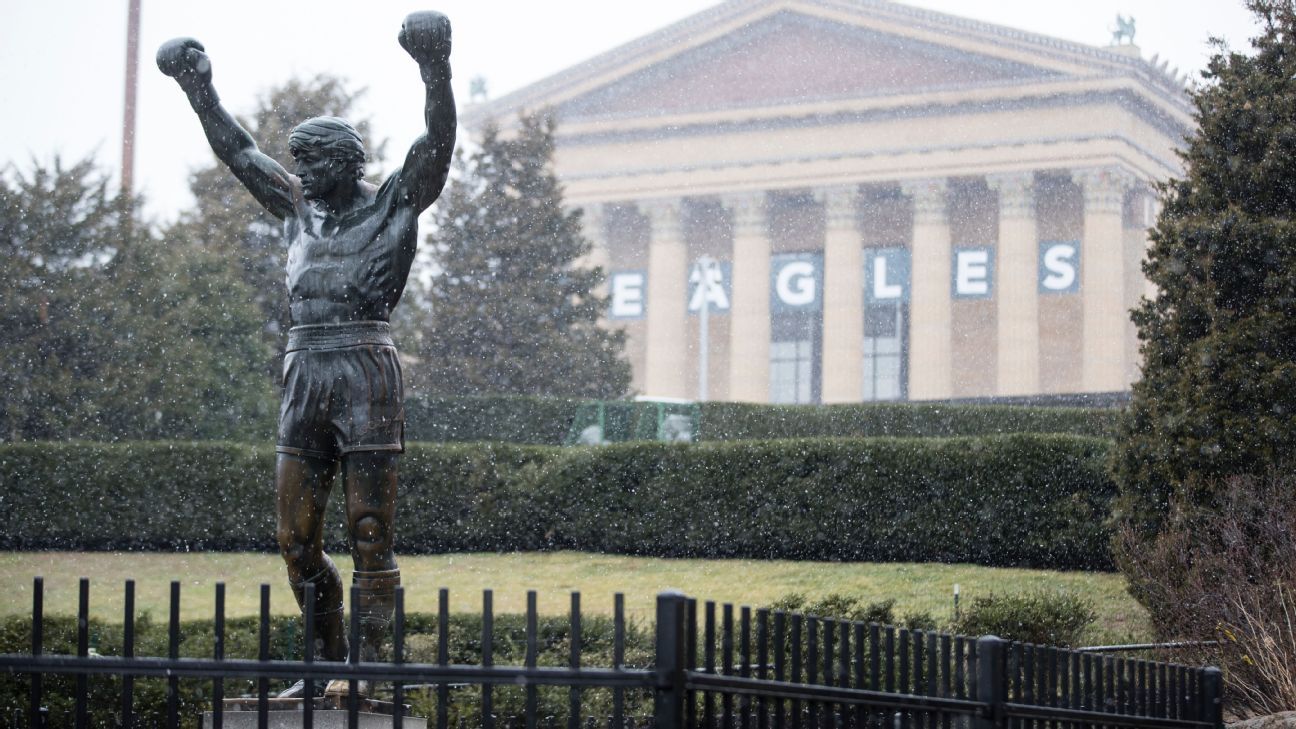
719, 19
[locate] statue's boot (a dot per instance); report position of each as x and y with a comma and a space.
375, 603
330, 627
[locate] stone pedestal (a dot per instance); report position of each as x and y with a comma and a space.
287, 714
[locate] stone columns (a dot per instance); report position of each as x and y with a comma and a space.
843, 305
666, 358
931, 369
594, 228
749, 318
1102, 280
1138, 220
1016, 287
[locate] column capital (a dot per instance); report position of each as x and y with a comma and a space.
930, 199
1016, 193
664, 216
840, 205
1104, 187
748, 210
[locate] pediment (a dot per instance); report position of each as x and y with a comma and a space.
790, 57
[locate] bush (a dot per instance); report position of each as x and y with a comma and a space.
839, 606
508, 419
1043, 618
541, 420
1224, 569
1005, 500
197, 640
220, 496
745, 421
545, 421
1219, 338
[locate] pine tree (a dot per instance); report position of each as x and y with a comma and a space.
227, 219
111, 332
1218, 390
512, 308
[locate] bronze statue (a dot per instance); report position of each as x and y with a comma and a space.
350, 248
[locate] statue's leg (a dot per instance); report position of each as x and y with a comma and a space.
302, 484
370, 481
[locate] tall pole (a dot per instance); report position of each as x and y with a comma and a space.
132, 89
702, 274
704, 348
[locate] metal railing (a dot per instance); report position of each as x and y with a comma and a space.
713, 667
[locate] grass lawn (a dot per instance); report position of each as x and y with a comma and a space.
915, 587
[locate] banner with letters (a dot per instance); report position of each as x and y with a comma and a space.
1059, 266
711, 284
972, 272
796, 282
886, 275
627, 294
796, 279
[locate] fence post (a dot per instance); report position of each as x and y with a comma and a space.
992, 681
668, 704
1213, 696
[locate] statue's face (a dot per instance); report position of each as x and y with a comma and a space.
320, 173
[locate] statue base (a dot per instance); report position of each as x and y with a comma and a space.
328, 714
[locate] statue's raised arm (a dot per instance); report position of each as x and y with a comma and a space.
426, 37
185, 60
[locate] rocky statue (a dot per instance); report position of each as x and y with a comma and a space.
350, 248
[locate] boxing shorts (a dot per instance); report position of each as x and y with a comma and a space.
342, 391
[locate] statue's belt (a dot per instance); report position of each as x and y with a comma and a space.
314, 337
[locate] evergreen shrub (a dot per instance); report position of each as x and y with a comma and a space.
501, 418
1037, 500
1041, 617
748, 421
546, 420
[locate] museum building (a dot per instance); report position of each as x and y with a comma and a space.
854, 200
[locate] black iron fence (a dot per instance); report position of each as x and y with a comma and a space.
711, 667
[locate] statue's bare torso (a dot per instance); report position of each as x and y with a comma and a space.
351, 266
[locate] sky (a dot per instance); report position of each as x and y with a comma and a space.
62, 62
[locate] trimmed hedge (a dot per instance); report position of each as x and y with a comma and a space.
507, 419
745, 421
546, 421
220, 496
1002, 500
1038, 500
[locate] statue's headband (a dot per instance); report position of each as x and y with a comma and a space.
328, 134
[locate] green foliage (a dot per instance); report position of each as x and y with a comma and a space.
1002, 500
228, 220
464, 646
512, 308
840, 606
110, 332
545, 421
1041, 617
746, 421
501, 418
1218, 384
921, 620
